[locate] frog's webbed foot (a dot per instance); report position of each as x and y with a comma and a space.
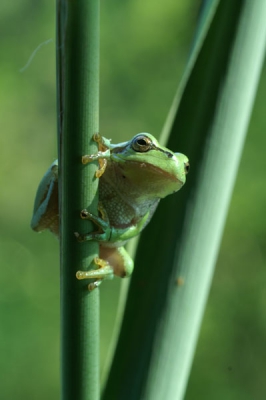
104, 232
102, 155
105, 271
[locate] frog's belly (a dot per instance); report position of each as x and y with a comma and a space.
123, 207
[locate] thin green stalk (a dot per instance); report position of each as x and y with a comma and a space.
78, 120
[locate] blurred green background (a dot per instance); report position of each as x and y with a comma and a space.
144, 47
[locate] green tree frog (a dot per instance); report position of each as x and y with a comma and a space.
133, 177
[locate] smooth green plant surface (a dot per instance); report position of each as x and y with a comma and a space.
171, 285
78, 119
139, 76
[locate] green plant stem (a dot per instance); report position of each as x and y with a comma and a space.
78, 120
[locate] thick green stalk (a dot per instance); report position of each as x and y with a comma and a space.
177, 252
78, 120
206, 215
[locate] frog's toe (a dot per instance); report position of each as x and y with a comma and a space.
94, 285
103, 272
84, 214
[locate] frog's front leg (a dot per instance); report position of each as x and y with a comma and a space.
104, 153
108, 233
105, 230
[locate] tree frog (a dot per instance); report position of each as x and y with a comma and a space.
133, 177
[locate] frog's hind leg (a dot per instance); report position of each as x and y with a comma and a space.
119, 259
45, 213
103, 272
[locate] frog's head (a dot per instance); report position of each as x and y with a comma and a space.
151, 166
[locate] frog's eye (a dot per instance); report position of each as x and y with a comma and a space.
187, 166
141, 144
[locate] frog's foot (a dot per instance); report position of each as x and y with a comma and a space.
102, 155
104, 232
84, 214
105, 271
101, 160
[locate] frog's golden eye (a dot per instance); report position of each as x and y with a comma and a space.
141, 144
187, 166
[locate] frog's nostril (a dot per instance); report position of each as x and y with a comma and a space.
187, 167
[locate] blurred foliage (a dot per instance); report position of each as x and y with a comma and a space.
144, 47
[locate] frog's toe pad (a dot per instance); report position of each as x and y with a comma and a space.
104, 271
84, 214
